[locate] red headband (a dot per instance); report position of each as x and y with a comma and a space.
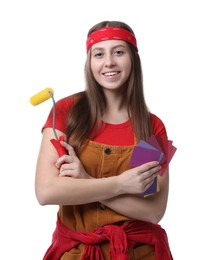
111, 33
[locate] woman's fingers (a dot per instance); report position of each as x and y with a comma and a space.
69, 148
68, 158
152, 171
147, 166
69, 164
139, 179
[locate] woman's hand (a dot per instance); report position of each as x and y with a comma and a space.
70, 165
138, 179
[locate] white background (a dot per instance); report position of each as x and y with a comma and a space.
42, 44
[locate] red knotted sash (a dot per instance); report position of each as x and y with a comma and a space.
121, 238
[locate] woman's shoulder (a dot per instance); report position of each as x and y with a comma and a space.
60, 112
69, 101
157, 125
155, 119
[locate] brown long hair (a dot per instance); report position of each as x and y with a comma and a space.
85, 117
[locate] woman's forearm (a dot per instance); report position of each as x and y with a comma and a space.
71, 191
150, 208
136, 207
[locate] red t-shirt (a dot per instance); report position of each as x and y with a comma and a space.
111, 134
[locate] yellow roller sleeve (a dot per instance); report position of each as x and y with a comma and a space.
41, 96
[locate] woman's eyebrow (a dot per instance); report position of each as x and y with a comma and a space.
116, 46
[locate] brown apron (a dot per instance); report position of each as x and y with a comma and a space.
100, 161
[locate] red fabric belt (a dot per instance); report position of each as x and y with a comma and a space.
121, 238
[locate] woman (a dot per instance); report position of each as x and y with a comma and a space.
102, 214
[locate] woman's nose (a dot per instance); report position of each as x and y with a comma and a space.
109, 61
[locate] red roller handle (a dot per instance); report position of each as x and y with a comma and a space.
60, 149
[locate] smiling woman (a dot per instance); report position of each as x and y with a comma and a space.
111, 64
98, 192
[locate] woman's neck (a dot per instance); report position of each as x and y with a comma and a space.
116, 110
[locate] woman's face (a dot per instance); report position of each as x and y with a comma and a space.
111, 63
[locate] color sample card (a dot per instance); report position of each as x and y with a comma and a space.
153, 149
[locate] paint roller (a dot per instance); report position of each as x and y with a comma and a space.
39, 98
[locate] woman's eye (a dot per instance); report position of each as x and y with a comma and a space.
98, 55
118, 53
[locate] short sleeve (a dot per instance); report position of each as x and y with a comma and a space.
62, 108
159, 130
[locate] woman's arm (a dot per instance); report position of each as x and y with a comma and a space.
52, 188
150, 208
